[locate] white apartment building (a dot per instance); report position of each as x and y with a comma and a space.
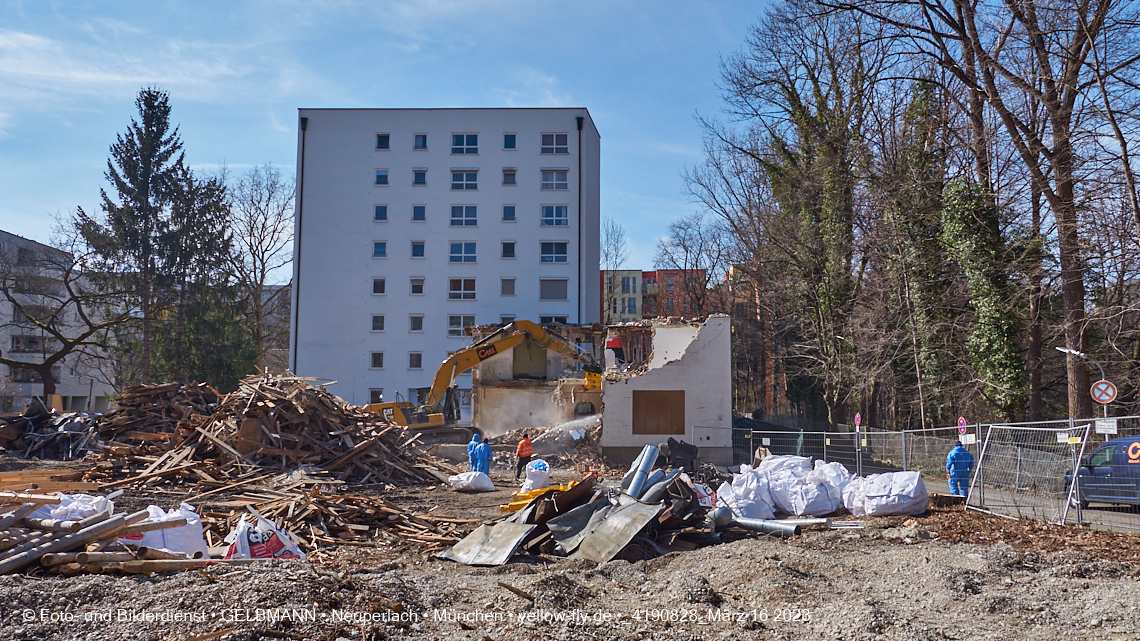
413, 224
28, 269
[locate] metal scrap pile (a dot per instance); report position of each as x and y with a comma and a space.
654, 512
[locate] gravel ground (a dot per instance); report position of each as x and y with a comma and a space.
894, 579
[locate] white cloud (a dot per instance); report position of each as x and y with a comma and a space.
532, 88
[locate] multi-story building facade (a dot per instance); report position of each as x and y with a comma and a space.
413, 224
674, 292
31, 276
621, 295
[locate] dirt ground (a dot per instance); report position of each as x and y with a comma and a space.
948, 574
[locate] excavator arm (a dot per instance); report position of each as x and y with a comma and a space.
431, 412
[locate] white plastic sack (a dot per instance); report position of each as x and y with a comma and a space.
780, 484
855, 496
186, 539
745, 501
814, 496
834, 473
471, 482
895, 493
74, 507
797, 465
537, 475
261, 541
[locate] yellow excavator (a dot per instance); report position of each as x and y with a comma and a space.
441, 406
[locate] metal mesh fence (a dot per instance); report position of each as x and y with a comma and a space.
1022, 469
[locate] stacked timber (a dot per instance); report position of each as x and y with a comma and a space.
75, 546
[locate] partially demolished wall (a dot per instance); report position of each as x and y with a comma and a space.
684, 391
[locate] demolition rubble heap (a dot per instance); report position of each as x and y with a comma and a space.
277, 422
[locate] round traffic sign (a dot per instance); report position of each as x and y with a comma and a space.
858, 419
1103, 392
961, 424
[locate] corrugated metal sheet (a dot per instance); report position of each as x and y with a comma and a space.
616, 531
489, 544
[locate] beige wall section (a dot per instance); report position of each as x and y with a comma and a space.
502, 407
693, 358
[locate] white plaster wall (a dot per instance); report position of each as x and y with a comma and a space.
703, 370
333, 264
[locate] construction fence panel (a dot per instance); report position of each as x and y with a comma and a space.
1023, 471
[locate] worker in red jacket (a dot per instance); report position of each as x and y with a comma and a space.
523, 452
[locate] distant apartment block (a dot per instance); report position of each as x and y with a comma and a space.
629, 294
413, 225
28, 269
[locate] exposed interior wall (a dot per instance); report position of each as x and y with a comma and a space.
695, 359
501, 408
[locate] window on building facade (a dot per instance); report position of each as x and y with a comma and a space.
508, 249
552, 289
507, 287
464, 215
461, 289
456, 324
419, 213
377, 322
419, 177
506, 319
419, 141
380, 213
555, 144
379, 249
377, 360
509, 213
464, 180
554, 252
382, 141
555, 180
415, 360
376, 395
668, 284
462, 252
377, 285
555, 216
381, 176
632, 306
509, 141
509, 177
415, 322
668, 305
464, 143
417, 249
417, 286
550, 320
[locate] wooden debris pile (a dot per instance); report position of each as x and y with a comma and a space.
318, 519
150, 417
73, 547
270, 421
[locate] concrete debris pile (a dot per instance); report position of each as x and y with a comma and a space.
573, 444
654, 512
270, 421
81, 545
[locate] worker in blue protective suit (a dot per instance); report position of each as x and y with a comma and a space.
959, 464
483, 457
471, 451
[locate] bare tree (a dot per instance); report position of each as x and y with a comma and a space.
615, 246
261, 217
701, 248
59, 310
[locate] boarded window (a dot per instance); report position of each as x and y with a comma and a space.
658, 412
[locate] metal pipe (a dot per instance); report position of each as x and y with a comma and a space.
628, 478
656, 477
648, 458
767, 526
657, 490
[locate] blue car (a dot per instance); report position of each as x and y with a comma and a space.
1110, 474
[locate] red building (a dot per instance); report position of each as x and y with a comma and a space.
674, 292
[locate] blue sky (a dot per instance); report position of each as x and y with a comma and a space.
237, 72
